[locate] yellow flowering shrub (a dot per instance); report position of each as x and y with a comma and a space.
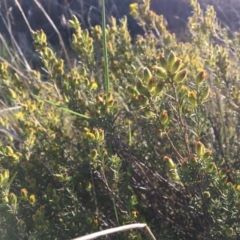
160, 147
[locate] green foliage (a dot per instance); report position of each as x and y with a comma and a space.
161, 146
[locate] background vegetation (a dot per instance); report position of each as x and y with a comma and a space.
158, 143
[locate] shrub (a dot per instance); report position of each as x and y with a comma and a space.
160, 147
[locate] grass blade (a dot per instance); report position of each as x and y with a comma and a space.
104, 39
62, 108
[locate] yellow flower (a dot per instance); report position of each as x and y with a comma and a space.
134, 213
19, 115
133, 9
93, 85
95, 222
32, 199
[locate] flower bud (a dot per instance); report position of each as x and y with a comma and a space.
60, 177
174, 175
96, 133
147, 75
151, 84
9, 151
176, 66
192, 97
24, 193
101, 134
142, 100
160, 72
93, 154
206, 194
159, 133
171, 59
201, 76
5, 175
32, 199
159, 87
148, 113
104, 152
164, 117
12, 198
193, 161
211, 167
207, 154
5, 198
180, 76
200, 149
142, 89
229, 232
12, 93
90, 136
163, 61
230, 185
169, 162
1, 179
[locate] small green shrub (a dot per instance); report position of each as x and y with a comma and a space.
160, 147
